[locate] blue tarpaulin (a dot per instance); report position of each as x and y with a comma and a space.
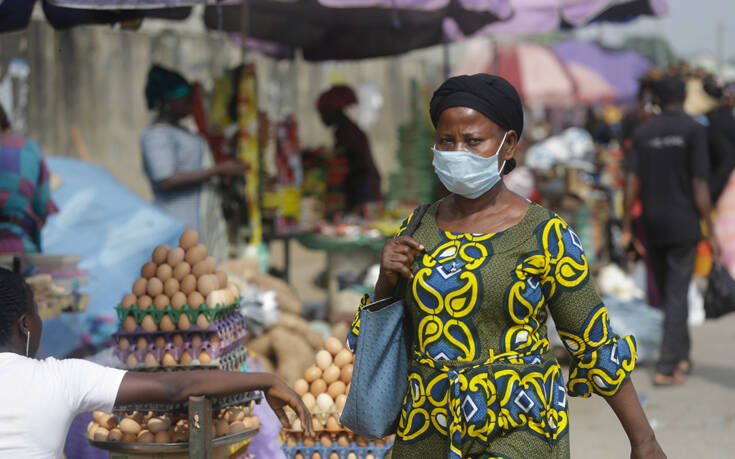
115, 231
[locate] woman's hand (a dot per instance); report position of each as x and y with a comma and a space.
279, 395
649, 449
395, 262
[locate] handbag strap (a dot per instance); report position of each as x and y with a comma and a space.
411, 227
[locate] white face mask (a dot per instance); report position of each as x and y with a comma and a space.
466, 174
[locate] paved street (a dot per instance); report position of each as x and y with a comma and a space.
696, 420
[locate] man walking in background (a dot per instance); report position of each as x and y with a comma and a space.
669, 166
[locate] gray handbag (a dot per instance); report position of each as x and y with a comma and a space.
380, 375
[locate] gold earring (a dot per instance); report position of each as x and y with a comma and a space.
28, 342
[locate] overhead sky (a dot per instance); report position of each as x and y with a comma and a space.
690, 27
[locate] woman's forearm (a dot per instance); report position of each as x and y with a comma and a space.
183, 179
176, 387
628, 409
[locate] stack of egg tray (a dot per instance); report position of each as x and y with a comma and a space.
232, 361
230, 331
218, 403
379, 452
212, 314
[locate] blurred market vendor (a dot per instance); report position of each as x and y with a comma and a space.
25, 194
39, 398
362, 184
178, 162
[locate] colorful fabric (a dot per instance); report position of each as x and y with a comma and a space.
482, 367
25, 195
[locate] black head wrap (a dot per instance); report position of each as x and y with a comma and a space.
490, 95
164, 84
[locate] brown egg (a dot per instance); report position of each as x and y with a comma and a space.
164, 273
175, 256
115, 435
170, 287
343, 357
325, 439
318, 387
123, 344
206, 284
189, 239
167, 324
331, 374
196, 254
131, 361
316, 456
323, 359
195, 299
196, 340
220, 427
128, 438
129, 324
160, 342
343, 440
318, 426
312, 374
160, 254
188, 284
221, 279
236, 427
340, 402
301, 386
204, 358
155, 287
148, 270
346, 373
129, 300
177, 340
336, 389
129, 426
202, 322
214, 339
145, 436
211, 264
184, 322
144, 301
309, 441
140, 286
141, 342
181, 270
309, 400
162, 437
334, 456
158, 424
178, 300
168, 360
148, 324
161, 301
298, 456
186, 358
333, 345
200, 268
150, 360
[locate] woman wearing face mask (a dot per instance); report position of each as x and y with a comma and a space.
483, 268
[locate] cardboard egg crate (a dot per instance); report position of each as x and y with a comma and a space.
218, 403
232, 361
230, 331
212, 314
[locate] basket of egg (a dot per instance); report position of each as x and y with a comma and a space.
324, 390
181, 315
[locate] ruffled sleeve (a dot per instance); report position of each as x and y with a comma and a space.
601, 361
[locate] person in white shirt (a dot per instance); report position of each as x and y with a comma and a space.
39, 398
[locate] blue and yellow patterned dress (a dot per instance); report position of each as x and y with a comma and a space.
483, 382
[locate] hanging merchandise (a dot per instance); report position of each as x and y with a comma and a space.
285, 199
248, 149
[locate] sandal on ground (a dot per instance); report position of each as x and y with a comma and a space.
663, 380
684, 367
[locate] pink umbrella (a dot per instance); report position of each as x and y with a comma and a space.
591, 87
540, 76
